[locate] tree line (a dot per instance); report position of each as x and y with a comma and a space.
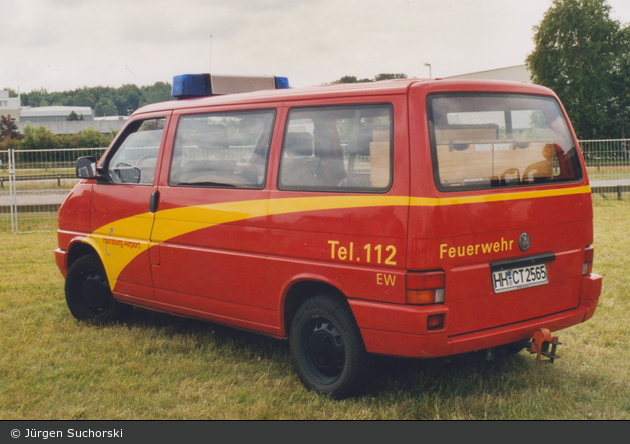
376, 78
39, 137
104, 100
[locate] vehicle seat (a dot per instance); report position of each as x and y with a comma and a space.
299, 166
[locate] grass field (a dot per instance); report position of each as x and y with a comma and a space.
157, 366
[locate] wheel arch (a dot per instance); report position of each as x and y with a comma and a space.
302, 290
81, 248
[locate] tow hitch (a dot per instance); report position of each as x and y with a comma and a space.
540, 345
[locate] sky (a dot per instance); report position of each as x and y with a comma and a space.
64, 45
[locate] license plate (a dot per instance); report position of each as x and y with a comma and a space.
522, 277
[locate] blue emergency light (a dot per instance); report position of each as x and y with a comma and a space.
203, 85
282, 82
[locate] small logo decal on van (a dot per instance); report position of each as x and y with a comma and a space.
524, 242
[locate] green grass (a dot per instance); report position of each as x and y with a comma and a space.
30, 222
608, 171
157, 366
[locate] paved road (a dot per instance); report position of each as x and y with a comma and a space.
39, 198
610, 183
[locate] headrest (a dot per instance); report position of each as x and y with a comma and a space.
299, 144
204, 135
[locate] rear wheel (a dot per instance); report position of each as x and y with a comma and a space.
326, 347
88, 294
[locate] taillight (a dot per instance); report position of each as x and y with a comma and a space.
425, 287
589, 253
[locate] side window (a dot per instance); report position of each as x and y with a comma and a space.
345, 148
135, 159
222, 149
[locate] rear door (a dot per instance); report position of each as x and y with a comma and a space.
512, 211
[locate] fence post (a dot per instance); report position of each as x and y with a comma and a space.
12, 190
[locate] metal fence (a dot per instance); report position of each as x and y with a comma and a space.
608, 166
34, 183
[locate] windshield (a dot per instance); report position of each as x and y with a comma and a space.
482, 140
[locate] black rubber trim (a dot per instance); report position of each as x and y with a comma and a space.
522, 262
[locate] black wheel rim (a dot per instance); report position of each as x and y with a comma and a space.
323, 350
95, 297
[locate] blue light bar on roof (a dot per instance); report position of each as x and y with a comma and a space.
202, 85
189, 85
282, 83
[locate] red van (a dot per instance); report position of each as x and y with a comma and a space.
417, 218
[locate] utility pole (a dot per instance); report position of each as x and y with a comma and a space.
429, 65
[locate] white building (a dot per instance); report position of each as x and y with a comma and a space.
55, 118
54, 113
518, 73
9, 106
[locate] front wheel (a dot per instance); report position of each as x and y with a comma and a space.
326, 347
88, 294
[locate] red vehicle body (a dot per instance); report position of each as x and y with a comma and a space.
411, 218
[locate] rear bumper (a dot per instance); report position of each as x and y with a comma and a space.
400, 330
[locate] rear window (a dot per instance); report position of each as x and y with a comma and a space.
482, 141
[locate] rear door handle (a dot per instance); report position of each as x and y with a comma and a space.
153, 201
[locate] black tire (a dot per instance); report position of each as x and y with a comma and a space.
327, 350
88, 295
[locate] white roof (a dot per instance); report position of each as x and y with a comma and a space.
112, 118
518, 73
55, 111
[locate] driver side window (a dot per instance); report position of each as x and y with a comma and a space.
135, 160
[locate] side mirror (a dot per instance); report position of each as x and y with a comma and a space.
86, 167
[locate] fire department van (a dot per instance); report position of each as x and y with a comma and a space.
414, 218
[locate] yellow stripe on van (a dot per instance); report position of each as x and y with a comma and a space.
423, 201
117, 252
